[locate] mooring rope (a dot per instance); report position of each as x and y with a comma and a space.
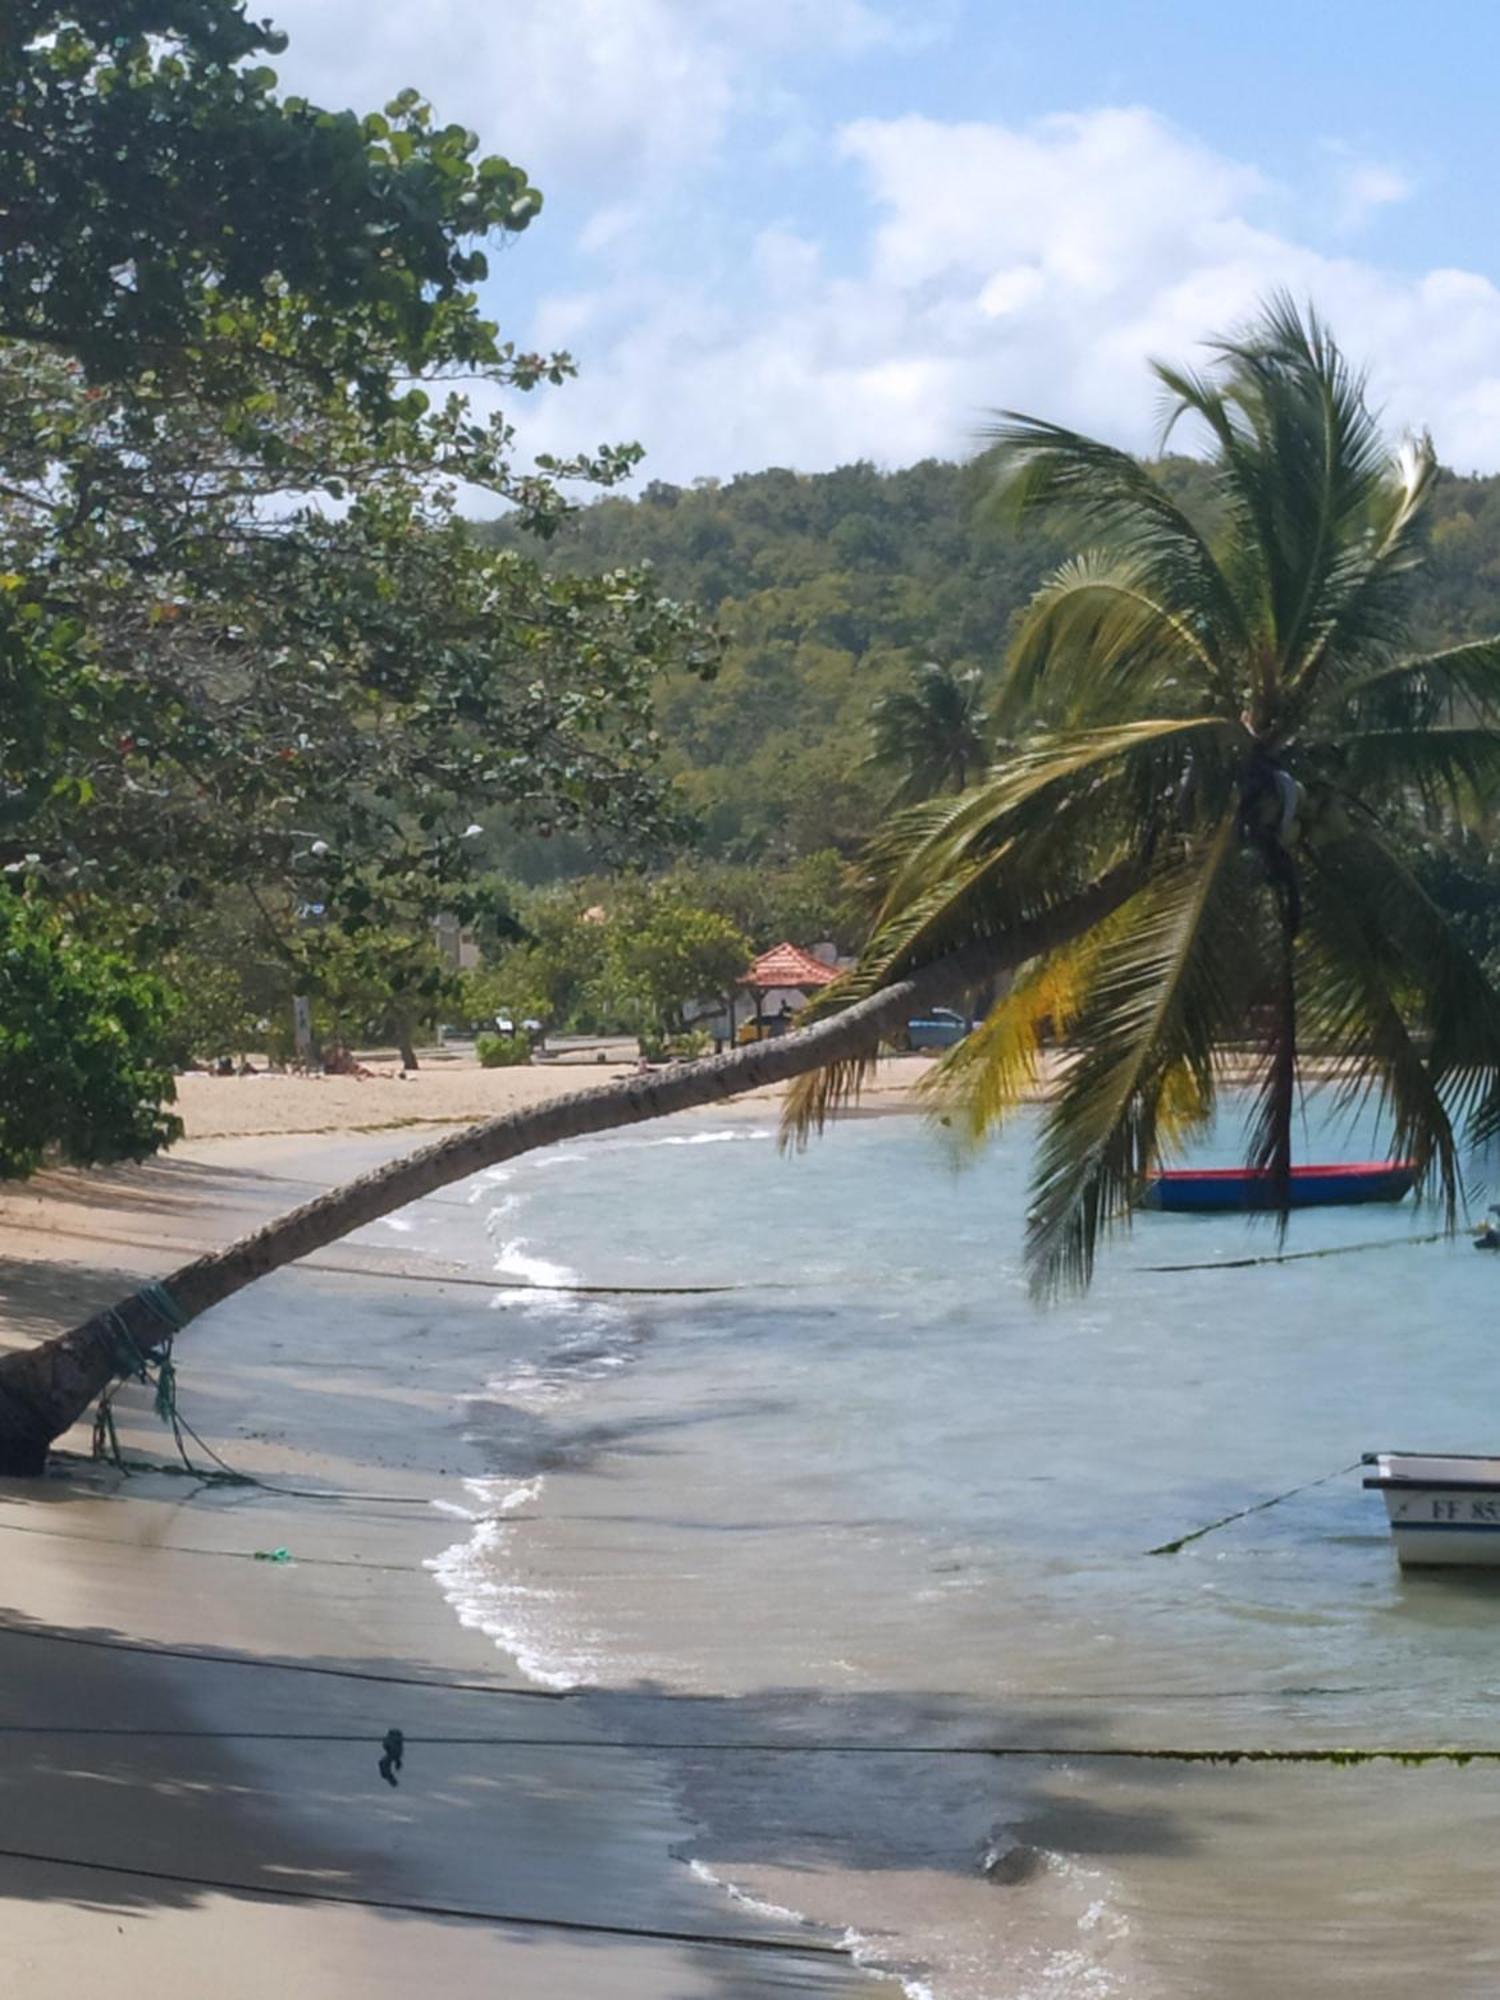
154, 1365
134, 1363
229, 1477
204, 1657
1300, 1256
197, 1549
450, 1912
1339, 1755
1258, 1507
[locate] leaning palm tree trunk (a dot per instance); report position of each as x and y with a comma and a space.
45, 1389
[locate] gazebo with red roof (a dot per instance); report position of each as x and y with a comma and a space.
786, 968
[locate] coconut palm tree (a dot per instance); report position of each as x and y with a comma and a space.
1237, 713
1196, 850
932, 733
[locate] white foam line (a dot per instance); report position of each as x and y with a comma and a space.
724, 1138
860, 1948
515, 1261
776, 1911
469, 1577
865, 1954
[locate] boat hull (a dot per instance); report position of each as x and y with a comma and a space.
1241, 1189
1444, 1508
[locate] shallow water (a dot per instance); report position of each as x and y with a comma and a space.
874, 1511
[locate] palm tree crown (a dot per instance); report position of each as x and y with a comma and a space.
1228, 723
931, 733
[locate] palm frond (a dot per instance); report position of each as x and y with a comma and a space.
1162, 998
1096, 643
1035, 813
1048, 470
818, 1095
1360, 608
974, 1087
1422, 959
1301, 462
1352, 1019
1448, 768
1012, 853
1042, 927
1457, 684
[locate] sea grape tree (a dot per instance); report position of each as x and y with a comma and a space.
251, 656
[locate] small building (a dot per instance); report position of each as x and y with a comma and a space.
780, 983
456, 943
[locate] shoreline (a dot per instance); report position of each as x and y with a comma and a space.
198, 1778
454, 1092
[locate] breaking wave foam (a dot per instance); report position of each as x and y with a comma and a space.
855, 1943
472, 1575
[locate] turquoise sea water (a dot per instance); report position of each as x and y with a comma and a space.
874, 1502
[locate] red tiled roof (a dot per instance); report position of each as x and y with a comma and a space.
788, 965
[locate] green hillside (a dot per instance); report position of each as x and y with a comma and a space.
830, 587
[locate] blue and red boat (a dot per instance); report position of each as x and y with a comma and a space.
1209, 1190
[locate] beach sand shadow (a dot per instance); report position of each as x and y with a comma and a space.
148, 1820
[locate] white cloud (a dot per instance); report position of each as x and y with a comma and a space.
1028, 265
1033, 267
581, 90
1363, 187
1082, 195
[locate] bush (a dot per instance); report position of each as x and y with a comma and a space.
503, 1051
675, 1048
84, 1048
211, 1015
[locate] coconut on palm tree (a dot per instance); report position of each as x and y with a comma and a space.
1195, 851
932, 734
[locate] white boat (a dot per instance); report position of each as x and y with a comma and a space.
1444, 1507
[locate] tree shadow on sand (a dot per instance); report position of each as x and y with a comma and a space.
120, 1753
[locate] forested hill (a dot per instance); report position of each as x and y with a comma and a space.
830, 587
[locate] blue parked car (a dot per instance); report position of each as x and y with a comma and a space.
939, 1028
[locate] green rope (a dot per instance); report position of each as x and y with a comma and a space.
147, 1365
164, 1305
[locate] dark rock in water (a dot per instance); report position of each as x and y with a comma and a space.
1008, 1862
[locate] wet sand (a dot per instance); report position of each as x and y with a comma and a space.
190, 1793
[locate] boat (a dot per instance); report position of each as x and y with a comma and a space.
1206, 1190
1443, 1507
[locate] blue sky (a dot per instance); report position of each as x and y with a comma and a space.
802, 231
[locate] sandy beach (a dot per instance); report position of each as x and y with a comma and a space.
454, 1092
193, 1723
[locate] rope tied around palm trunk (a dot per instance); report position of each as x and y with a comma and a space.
148, 1364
